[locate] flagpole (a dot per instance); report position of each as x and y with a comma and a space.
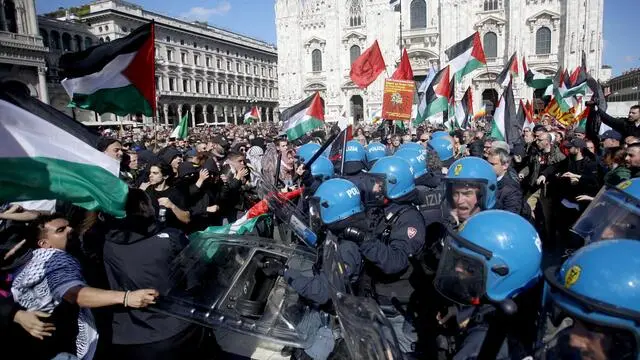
401, 28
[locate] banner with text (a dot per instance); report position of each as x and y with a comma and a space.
397, 101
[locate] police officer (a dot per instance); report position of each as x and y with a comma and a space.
355, 159
470, 187
613, 213
429, 198
375, 151
494, 258
321, 170
592, 308
443, 146
398, 236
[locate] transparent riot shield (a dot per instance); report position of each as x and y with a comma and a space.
222, 282
366, 331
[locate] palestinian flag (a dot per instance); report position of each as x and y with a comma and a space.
252, 115
47, 155
116, 77
464, 109
304, 117
582, 117
509, 72
436, 98
451, 105
535, 79
565, 95
338, 147
578, 76
182, 130
503, 126
466, 56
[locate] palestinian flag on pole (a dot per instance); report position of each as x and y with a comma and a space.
436, 98
182, 130
116, 77
503, 126
451, 106
47, 155
525, 120
252, 115
509, 72
464, 109
466, 56
535, 79
565, 95
303, 117
582, 117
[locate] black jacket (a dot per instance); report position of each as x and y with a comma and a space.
509, 195
621, 125
137, 256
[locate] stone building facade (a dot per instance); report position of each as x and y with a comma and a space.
318, 40
214, 74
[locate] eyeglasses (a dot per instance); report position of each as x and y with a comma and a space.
424, 140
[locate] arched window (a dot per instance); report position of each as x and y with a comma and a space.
490, 45
77, 42
10, 16
316, 60
543, 41
55, 40
492, 5
107, 39
45, 37
354, 52
355, 13
66, 42
88, 42
101, 40
418, 14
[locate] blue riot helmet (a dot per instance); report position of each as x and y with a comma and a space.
355, 158
417, 159
398, 176
443, 147
592, 303
494, 256
613, 214
306, 151
375, 151
322, 168
470, 186
333, 201
439, 135
412, 146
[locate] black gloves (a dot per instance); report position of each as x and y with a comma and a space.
272, 268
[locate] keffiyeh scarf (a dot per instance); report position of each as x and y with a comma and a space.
41, 285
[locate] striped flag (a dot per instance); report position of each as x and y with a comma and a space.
509, 72
466, 56
535, 79
303, 117
47, 155
436, 98
503, 126
182, 130
116, 77
464, 109
252, 115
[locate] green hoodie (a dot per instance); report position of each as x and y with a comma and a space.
617, 175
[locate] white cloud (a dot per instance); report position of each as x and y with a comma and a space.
203, 14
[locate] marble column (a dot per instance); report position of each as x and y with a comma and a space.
226, 113
165, 110
269, 112
193, 115
42, 85
235, 115
204, 114
21, 27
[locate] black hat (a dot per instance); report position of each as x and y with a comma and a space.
577, 143
187, 169
611, 134
169, 155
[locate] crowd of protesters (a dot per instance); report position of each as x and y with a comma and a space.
75, 284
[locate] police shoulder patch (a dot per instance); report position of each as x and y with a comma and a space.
625, 184
411, 232
572, 276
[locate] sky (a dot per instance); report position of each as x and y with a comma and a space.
256, 18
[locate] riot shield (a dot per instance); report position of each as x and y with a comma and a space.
221, 283
366, 331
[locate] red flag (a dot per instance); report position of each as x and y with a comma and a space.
404, 71
367, 66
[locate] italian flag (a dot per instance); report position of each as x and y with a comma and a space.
252, 115
182, 130
304, 117
246, 224
47, 155
436, 98
116, 77
535, 79
466, 56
